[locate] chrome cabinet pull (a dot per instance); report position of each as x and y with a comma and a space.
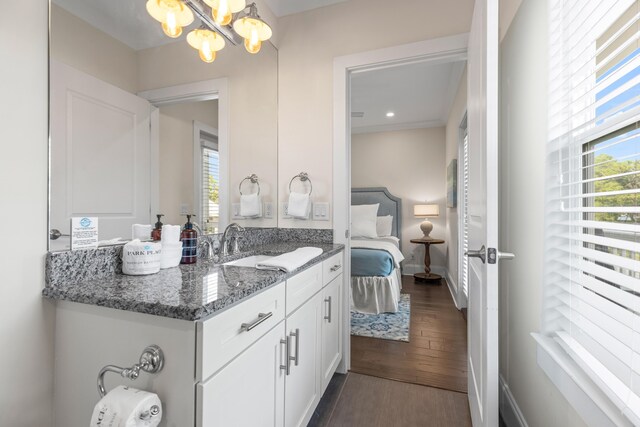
328, 316
335, 268
287, 362
296, 358
261, 318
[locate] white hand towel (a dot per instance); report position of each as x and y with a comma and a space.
299, 205
170, 234
250, 205
141, 231
127, 407
291, 260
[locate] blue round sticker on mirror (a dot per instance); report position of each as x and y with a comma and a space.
85, 222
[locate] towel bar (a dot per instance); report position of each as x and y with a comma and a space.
151, 361
254, 180
303, 176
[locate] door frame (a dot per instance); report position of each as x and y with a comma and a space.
439, 50
198, 129
192, 92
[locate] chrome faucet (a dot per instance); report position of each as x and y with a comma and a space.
225, 242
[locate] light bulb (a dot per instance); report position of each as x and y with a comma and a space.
222, 14
253, 43
206, 53
171, 27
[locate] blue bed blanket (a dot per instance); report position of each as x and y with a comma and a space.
371, 262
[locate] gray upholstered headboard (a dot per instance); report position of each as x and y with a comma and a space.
389, 205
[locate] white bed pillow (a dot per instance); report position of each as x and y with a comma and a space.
363, 220
384, 225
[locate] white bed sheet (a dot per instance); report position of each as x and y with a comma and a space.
390, 239
375, 295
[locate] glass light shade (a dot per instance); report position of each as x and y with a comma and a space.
172, 14
206, 42
424, 211
254, 31
222, 10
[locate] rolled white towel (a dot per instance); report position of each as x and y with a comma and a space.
299, 205
127, 406
170, 234
141, 231
291, 260
250, 205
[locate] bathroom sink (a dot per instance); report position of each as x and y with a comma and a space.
249, 261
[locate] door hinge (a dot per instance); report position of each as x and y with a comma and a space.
346, 234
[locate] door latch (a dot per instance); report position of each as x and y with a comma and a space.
493, 255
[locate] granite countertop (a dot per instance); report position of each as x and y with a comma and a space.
188, 292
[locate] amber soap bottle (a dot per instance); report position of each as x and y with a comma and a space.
189, 238
156, 234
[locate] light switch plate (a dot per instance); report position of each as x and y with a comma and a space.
184, 208
235, 211
321, 211
285, 212
267, 209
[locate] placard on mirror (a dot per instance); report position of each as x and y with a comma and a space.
140, 126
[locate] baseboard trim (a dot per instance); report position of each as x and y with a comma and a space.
509, 409
451, 284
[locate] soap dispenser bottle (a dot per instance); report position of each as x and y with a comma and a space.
156, 234
189, 238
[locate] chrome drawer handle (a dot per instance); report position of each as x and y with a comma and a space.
261, 318
287, 348
335, 268
328, 316
296, 358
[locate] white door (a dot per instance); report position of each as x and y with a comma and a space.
249, 391
483, 214
303, 384
331, 327
100, 153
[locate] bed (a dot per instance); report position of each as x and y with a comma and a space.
375, 261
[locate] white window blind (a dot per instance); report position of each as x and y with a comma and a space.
465, 212
210, 183
592, 268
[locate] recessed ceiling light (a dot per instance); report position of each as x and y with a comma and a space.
391, 114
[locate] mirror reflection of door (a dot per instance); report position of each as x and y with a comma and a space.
209, 189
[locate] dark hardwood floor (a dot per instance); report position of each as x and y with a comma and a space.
436, 355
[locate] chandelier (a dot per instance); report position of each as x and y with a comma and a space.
222, 20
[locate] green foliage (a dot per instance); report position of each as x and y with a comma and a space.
214, 190
606, 165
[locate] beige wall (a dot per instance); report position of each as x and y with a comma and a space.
26, 330
523, 135
176, 155
458, 110
309, 42
410, 163
91, 51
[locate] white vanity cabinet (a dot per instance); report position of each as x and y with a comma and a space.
264, 362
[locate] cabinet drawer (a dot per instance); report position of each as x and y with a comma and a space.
223, 337
332, 268
303, 286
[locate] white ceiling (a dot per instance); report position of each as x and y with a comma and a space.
124, 20
289, 7
420, 95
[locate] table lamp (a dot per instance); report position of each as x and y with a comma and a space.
426, 211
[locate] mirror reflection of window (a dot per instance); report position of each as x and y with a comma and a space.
210, 186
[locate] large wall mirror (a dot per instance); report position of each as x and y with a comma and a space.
140, 125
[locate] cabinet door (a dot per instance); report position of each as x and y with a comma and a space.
331, 329
303, 384
249, 391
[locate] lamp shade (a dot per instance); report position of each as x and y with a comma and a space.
173, 14
253, 29
424, 211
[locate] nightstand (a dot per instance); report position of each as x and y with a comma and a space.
427, 276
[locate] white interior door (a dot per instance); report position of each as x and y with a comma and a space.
100, 154
483, 214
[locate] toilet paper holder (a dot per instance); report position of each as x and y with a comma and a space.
151, 361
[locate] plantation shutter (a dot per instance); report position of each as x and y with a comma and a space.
210, 183
465, 213
592, 268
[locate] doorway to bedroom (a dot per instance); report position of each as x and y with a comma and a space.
406, 323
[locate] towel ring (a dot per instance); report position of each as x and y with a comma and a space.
254, 180
302, 176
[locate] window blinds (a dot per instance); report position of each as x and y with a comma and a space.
592, 268
210, 183
465, 213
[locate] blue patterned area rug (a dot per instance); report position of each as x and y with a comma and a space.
387, 326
